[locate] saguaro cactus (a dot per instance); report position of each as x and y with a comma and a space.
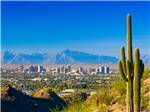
138, 72
126, 67
131, 73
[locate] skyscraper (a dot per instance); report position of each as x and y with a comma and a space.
80, 70
21, 68
58, 70
106, 70
40, 68
69, 68
35, 68
31, 69
62, 69
101, 69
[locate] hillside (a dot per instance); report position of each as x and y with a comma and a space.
112, 98
43, 100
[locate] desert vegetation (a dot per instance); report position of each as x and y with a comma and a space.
112, 98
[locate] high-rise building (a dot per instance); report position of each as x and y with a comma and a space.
47, 68
40, 68
101, 69
106, 70
69, 68
62, 69
66, 70
31, 69
22, 68
58, 70
53, 70
80, 70
36, 69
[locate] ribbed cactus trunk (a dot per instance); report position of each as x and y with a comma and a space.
131, 74
129, 96
129, 65
138, 72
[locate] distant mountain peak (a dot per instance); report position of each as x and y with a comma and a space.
72, 56
67, 56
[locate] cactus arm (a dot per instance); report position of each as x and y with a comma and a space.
122, 54
128, 67
121, 71
129, 39
142, 68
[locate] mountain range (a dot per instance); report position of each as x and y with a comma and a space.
65, 57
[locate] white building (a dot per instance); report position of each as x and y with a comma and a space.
81, 70
40, 68
101, 69
57, 70
106, 70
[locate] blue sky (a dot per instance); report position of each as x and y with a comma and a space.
94, 27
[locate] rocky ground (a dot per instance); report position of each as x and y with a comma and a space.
43, 100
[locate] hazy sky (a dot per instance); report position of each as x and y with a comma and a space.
94, 27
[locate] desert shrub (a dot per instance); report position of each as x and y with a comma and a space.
146, 74
75, 102
121, 100
99, 101
104, 96
119, 86
76, 107
75, 98
94, 104
145, 103
145, 89
145, 98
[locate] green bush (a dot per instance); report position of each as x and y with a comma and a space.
75, 98
104, 97
145, 102
76, 107
119, 86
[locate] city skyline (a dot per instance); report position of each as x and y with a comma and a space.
93, 27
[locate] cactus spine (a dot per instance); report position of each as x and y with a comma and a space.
131, 73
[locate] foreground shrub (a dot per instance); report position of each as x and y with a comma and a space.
76, 107
75, 98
